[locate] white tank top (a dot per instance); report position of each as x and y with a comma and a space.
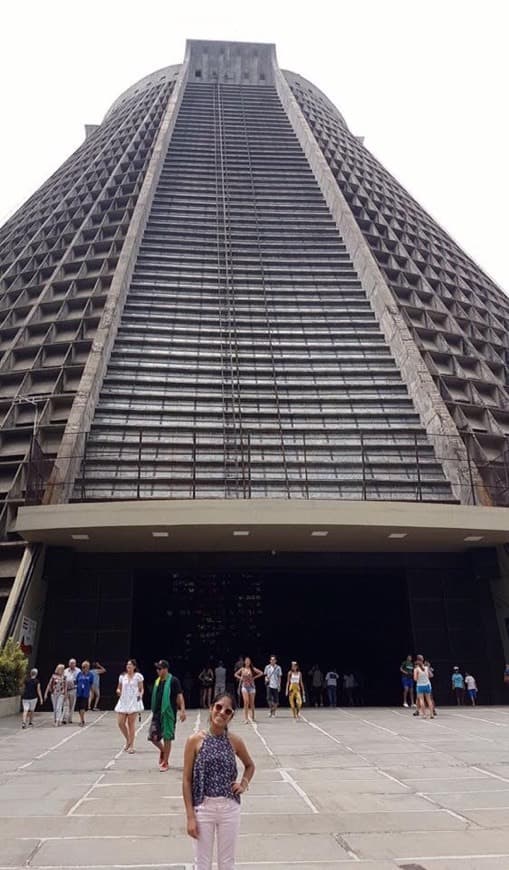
422, 677
294, 678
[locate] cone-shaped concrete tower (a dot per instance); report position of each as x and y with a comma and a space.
223, 296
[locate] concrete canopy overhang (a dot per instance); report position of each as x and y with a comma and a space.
264, 524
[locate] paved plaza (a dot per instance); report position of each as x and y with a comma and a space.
368, 788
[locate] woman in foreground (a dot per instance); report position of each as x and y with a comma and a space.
210, 787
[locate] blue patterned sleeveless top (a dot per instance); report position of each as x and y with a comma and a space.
214, 770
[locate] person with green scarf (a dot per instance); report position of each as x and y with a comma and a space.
167, 699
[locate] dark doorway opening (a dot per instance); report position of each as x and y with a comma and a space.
300, 606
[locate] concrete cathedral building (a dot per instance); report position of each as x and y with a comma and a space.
253, 397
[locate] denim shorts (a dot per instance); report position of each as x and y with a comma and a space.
424, 690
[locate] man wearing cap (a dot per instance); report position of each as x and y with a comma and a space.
167, 699
458, 685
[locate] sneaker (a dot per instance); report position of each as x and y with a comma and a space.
23, 725
405, 704
164, 767
415, 714
30, 724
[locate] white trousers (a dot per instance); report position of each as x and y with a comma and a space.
221, 817
58, 706
70, 703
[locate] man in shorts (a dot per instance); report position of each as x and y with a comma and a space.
458, 685
273, 674
31, 694
167, 699
406, 670
471, 684
84, 684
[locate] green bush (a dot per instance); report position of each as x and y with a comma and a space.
13, 668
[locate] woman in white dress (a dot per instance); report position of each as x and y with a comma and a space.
130, 693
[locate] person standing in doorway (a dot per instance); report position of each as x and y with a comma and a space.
97, 671
349, 685
471, 684
238, 665
57, 688
406, 670
130, 692
220, 679
206, 681
423, 689
71, 673
458, 685
211, 788
273, 675
188, 684
431, 674
246, 675
84, 683
167, 700
295, 690
331, 682
316, 686
31, 694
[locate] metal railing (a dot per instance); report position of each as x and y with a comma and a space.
149, 463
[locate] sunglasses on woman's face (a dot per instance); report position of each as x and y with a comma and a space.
218, 708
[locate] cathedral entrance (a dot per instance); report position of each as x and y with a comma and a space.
211, 607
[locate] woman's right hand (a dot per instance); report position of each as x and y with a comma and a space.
192, 827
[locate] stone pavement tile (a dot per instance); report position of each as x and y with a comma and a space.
266, 805
406, 760
483, 783
369, 803
477, 863
136, 851
375, 784
335, 774
25, 807
46, 788
326, 760
414, 846
490, 818
483, 757
149, 805
341, 864
361, 822
434, 774
14, 853
289, 847
131, 851
471, 800
499, 769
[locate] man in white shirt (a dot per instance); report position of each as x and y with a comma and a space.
273, 674
70, 675
331, 681
471, 685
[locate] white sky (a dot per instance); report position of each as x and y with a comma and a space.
425, 83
